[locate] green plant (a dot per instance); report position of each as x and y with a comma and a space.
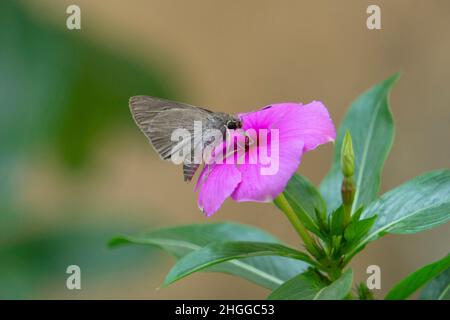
334, 223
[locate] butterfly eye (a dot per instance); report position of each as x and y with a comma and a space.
232, 125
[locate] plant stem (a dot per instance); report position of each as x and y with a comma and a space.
348, 194
283, 204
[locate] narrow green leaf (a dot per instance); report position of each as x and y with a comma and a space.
364, 293
337, 221
438, 288
219, 252
417, 279
337, 290
371, 126
357, 214
417, 205
304, 286
356, 230
269, 271
306, 202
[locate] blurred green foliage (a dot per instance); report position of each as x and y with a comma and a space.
58, 92
35, 264
59, 88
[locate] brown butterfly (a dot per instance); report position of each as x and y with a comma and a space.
158, 118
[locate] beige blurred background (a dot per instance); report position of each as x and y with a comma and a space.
238, 56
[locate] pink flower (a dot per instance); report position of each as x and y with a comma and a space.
300, 128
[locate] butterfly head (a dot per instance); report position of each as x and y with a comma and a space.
234, 123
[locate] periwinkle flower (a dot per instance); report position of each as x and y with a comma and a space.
292, 129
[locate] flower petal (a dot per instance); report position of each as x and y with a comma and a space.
314, 125
258, 187
216, 183
310, 123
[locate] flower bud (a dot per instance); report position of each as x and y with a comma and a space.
347, 156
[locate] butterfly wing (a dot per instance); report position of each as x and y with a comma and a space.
158, 118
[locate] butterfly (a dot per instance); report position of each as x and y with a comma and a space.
158, 118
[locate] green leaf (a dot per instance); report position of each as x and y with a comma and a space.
364, 293
304, 286
357, 229
370, 124
438, 288
337, 290
337, 221
417, 205
311, 286
219, 252
417, 279
357, 214
269, 272
306, 202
